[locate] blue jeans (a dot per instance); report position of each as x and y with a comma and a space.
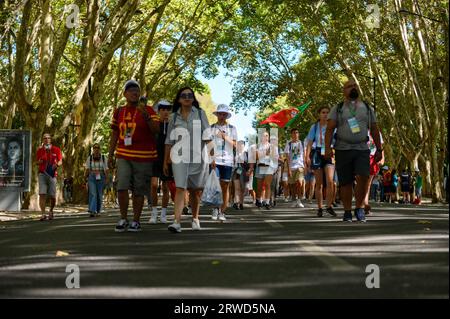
373, 191
96, 193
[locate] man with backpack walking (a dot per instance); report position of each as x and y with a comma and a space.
352, 118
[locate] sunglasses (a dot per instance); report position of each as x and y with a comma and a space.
187, 96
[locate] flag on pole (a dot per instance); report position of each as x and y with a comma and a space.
286, 117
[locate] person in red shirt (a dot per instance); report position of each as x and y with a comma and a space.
133, 139
49, 158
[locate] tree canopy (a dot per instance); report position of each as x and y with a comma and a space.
63, 65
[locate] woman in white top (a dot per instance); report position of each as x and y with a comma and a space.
266, 155
97, 176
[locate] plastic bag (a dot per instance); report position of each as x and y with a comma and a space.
212, 193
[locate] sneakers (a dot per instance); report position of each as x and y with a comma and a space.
153, 218
222, 216
215, 214
360, 215
121, 226
175, 227
235, 206
347, 217
267, 206
195, 224
91, 214
286, 200
241, 207
320, 212
331, 211
299, 204
258, 203
135, 227
187, 210
163, 217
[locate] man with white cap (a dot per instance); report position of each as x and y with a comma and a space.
224, 137
133, 142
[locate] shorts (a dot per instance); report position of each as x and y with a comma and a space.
157, 171
190, 175
418, 191
350, 163
322, 162
405, 188
224, 172
47, 185
374, 167
285, 177
134, 176
297, 176
309, 176
262, 171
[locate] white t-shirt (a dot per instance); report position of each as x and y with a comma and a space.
268, 155
223, 150
295, 152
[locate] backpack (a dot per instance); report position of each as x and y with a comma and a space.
102, 158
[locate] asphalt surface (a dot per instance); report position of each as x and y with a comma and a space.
257, 254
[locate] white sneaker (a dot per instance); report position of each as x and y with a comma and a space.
163, 218
153, 218
299, 204
215, 214
175, 227
222, 217
196, 224
286, 200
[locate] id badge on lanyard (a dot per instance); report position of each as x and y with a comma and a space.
98, 176
354, 126
127, 140
322, 143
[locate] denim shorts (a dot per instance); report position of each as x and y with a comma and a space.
224, 172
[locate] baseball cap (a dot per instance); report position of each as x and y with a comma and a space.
163, 104
129, 84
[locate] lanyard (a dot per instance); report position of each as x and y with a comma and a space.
352, 112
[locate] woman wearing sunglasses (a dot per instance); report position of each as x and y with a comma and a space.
186, 152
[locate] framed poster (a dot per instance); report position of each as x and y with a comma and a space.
15, 159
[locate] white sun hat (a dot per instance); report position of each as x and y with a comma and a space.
223, 108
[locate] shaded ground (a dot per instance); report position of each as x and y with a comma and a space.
283, 253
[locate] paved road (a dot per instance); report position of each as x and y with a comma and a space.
283, 253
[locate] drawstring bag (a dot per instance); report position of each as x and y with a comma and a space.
212, 193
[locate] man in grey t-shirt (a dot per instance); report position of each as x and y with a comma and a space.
352, 118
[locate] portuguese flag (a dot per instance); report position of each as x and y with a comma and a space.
286, 117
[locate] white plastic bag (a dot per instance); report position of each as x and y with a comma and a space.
212, 193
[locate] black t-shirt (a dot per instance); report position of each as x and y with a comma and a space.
160, 142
